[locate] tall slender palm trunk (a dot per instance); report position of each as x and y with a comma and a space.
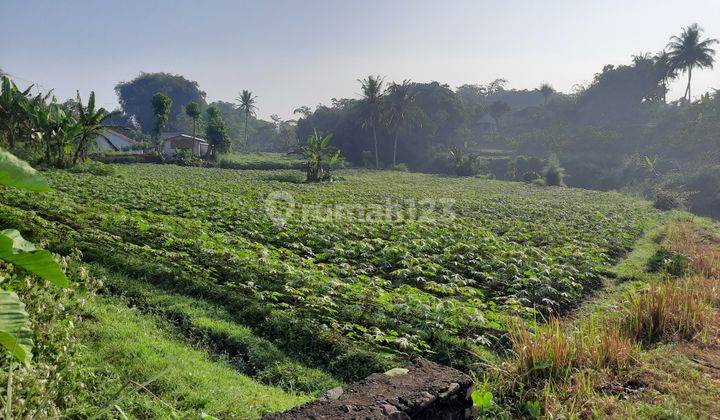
246, 123
194, 126
687, 90
395, 148
377, 161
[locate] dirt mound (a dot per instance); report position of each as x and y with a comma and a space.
423, 390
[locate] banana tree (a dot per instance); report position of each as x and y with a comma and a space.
320, 156
11, 109
90, 121
56, 129
15, 333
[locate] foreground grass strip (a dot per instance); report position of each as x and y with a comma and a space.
124, 349
209, 322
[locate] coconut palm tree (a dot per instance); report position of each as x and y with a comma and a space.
247, 106
192, 110
371, 106
399, 99
547, 91
688, 51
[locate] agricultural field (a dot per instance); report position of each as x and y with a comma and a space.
261, 160
300, 287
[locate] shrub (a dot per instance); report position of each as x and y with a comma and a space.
530, 176
553, 173
368, 159
467, 166
704, 186
400, 167
523, 165
669, 262
667, 200
499, 168
357, 364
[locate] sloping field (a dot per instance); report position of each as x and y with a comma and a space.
303, 287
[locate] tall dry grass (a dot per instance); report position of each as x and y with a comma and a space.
673, 310
551, 361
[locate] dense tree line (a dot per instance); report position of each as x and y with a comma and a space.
619, 131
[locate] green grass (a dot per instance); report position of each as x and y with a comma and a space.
124, 349
213, 324
266, 161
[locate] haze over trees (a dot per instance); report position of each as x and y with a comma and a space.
135, 96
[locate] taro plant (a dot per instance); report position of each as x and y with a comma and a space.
15, 334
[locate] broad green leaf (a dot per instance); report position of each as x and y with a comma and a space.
21, 253
18, 173
15, 333
482, 399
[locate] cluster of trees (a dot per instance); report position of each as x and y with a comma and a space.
244, 131
417, 124
46, 131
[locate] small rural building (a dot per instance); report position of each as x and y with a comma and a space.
110, 140
176, 142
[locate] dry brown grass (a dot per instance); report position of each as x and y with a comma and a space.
552, 353
672, 310
564, 364
699, 245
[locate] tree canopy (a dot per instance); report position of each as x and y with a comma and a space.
136, 96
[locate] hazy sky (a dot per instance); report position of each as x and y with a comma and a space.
292, 53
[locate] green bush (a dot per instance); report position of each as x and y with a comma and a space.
368, 159
667, 200
356, 364
553, 173
669, 262
530, 176
700, 187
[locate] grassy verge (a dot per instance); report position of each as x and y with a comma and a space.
604, 362
139, 368
212, 324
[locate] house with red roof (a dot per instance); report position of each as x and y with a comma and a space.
110, 140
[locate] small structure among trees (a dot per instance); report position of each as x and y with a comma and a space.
110, 140
177, 143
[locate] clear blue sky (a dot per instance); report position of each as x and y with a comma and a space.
293, 53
